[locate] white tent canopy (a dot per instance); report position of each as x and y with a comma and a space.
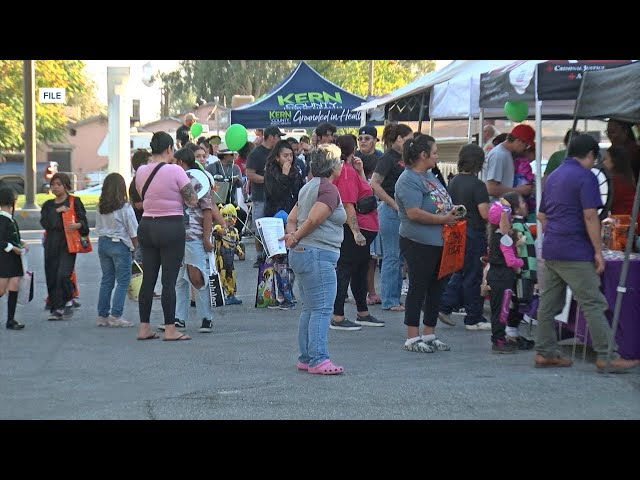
420, 84
458, 96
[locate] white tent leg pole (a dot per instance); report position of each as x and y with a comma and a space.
481, 127
431, 121
469, 137
538, 171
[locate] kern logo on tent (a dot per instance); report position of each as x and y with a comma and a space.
310, 100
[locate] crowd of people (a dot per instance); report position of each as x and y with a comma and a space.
346, 207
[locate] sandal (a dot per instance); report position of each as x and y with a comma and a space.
183, 336
302, 366
373, 299
326, 367
149, 337
397, 308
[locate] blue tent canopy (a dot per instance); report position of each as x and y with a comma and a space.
303, 99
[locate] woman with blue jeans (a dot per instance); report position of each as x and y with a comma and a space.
383, 181
314, 235
117, 229
463, 289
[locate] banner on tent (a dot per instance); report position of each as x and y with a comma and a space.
303, 99
514, 84
560, 80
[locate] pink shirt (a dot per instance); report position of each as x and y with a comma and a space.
352, 188
163, 197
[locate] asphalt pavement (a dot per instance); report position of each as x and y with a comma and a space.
245, 369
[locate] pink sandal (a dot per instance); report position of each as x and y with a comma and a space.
326, 367
302, 366
373, 299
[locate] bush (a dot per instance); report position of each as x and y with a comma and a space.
90, 200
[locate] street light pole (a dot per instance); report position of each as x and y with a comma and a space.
370, 78
28, 76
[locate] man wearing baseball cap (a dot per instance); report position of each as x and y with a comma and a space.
499, 168
367, 139
182, 133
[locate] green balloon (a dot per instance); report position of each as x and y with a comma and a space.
236, 136
196, 129
516, 111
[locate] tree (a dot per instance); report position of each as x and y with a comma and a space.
353, 75
222, 78
50, 117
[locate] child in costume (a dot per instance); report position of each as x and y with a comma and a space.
227, 245
505, 265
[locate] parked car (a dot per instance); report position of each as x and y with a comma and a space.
12, 174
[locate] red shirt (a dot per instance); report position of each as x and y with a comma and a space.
623, 194
352, 188
242, 163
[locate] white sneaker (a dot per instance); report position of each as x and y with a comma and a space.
438, 345
119, 322
102, 321
446, 318
479, 326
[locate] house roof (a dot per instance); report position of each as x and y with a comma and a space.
85, 121
163, 119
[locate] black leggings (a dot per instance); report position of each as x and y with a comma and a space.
425, 290
501, 278
353, 266
162, 240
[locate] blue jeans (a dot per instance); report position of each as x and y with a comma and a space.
463, 289
115, 261
195, 255
391, 272
315, 270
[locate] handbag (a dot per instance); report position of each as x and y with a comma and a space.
366, 204
76, 243
454, 239
25, 291
215, 286
135, 283
266, 287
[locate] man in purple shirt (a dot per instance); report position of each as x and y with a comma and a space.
573, 256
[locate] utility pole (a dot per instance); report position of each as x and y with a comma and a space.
28, 81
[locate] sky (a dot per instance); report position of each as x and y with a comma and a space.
149, 96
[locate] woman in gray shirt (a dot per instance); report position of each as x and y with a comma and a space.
423, 207
314, 235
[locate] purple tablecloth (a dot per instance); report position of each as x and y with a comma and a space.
628, 332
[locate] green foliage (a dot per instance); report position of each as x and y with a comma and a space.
225, 78
222, 78
353, 75
90, 200
50, 117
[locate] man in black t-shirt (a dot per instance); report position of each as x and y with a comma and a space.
367, 139
183, 131
256, 163
463, 289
